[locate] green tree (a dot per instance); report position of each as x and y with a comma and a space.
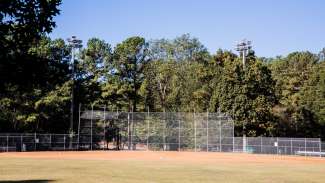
182, 48
158, 87
25, 77
94, 69
248, 95
300, 97
34, 107
129, 59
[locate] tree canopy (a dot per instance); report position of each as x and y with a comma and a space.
282, 96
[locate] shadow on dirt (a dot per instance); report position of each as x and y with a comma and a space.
26, 181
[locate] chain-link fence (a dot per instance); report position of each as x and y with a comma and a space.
254, 145
279, 146
37, 142
170, 131
158, 131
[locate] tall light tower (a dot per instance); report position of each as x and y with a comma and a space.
74, 43
243, 47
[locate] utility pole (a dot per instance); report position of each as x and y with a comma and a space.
243, 48
74, 43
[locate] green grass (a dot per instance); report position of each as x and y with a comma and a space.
49, 170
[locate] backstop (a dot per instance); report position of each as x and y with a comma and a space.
165, 131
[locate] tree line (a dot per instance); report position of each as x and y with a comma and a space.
281, 96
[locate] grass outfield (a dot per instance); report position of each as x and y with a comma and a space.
151, 167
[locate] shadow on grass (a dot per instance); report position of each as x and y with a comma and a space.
26, 181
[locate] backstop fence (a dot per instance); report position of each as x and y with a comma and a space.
209, 132
157, 131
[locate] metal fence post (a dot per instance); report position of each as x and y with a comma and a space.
277, 146
34, 141
129, 147
207, 131
51, 141
291, 147
179, 133
21, 142
104, 119
320, 148
64, 142
233, 136
233, 144
164, 132
194, 132
261, 144
244, 143
79, 127
148, 134
7, 143
131, 131
305, 147
220, 146
91, 127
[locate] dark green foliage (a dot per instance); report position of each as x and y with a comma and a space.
300, 89
129, 59
30, 68
248, 95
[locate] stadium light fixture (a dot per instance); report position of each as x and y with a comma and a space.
243, 47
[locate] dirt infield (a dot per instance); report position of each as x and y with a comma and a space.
166, 156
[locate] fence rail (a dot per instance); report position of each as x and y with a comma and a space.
256, 145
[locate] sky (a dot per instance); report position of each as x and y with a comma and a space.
275, 27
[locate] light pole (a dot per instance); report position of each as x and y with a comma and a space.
243, 47
74, 43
